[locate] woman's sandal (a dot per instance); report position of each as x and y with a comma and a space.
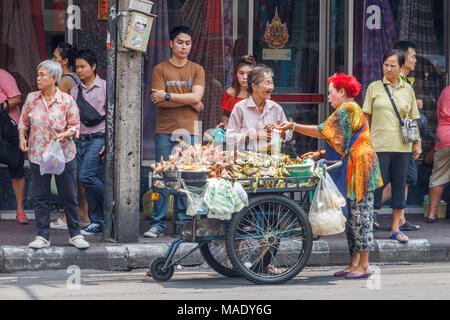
431, 220
409, 227
394, 237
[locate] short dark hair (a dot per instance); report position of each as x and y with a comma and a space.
404, 46
89, 56
180, 29
395, 52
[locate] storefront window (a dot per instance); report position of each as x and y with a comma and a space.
337, 34
379, 26
286, 38
29, 31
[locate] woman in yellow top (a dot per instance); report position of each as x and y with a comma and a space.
347, 137
385, 131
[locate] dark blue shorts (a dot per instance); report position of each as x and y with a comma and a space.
394, 168
411, 177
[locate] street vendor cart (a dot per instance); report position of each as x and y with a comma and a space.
268, 241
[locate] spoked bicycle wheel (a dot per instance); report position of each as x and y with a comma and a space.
215, 255
275, 240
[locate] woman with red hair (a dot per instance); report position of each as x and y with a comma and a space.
347, 136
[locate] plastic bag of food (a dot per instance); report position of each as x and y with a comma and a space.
221, 199
325, 214
53, 160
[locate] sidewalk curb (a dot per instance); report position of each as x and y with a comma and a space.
135, 256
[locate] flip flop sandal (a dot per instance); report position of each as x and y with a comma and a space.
394, 237
409, 227
430, 220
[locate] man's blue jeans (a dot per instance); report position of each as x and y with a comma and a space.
88, 161
163, 147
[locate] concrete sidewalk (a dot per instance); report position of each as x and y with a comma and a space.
430, 244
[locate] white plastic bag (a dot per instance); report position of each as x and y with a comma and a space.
53, 160
325, 215
221, 199
241, 192
195, 203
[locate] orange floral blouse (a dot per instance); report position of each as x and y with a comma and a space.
363, 170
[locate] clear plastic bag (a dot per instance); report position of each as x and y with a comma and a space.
241, 192
195, 203
325, 215
53, 160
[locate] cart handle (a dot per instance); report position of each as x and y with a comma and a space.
334, 164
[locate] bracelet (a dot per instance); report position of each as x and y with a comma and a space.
292, 126
322, 153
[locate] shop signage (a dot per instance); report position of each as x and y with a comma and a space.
102, 13
277, 54
276, 32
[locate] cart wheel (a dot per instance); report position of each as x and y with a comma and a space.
215, 255
275, 240
158, 272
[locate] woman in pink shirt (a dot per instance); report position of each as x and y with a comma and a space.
441, 166
255, 118
50, 114
10, 92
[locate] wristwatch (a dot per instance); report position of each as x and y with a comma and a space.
167, 96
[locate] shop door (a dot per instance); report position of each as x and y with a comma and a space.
290, 36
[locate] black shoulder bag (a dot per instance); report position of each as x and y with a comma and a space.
9, 139
409, 130
88, 115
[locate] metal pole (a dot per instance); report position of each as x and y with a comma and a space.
109, 228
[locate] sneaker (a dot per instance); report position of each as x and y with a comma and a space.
21, 218
39, 243
93, 228
154, 232
79, 242
58, 225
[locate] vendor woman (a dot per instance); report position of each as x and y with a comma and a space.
253, 119
347, 137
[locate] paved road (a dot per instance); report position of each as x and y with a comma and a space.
429, 281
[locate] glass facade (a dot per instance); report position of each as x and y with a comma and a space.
303, 41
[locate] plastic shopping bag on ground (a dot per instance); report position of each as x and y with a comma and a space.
221, 199
53, 160
325, 214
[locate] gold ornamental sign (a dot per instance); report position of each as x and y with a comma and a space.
276, 32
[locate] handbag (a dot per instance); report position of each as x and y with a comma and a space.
9, 139
409, 130
10, 130
88, 115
